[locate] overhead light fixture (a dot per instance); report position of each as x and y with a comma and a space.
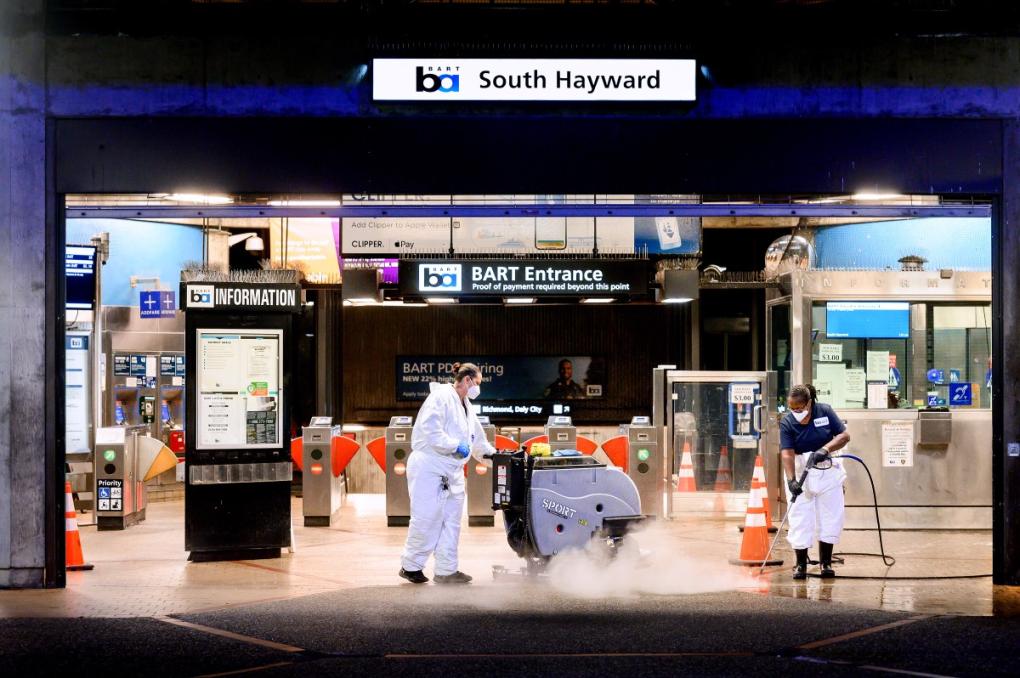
598, 300
252, 241
441, 300
680, 287
200, 198
520, 300
876, 197
361, 287
304, 203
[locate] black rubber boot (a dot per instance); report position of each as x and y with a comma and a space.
825, 560
415, 576
800, 570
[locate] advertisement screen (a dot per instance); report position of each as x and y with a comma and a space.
79, 275
867, 320
516, 378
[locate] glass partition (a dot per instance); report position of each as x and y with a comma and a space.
889, 355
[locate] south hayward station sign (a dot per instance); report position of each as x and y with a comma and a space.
448, 80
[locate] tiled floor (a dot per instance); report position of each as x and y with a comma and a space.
144, 571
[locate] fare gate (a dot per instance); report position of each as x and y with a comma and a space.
479, 484
398, 449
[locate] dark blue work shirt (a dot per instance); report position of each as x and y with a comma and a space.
822, 427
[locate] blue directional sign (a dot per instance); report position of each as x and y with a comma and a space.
937, 376
960, 394
157, 304
954, 376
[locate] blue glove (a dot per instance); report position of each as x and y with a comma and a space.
463, 450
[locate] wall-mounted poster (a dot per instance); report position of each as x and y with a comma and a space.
239, 374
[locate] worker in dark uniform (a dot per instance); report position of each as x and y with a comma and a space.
811, 431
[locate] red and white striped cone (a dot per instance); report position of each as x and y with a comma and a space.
759, 477
754, 547
723, 476
685, 479
74, 558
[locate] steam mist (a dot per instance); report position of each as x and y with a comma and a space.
650, 561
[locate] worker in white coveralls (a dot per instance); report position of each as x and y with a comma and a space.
446, 433
808, 434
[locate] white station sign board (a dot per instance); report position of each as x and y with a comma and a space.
446, 80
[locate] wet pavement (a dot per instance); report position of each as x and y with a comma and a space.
335, 605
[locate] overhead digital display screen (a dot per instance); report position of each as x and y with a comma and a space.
80, 276
867, 320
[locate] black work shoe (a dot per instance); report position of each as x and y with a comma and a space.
800, 572
457, 577
827, 572
415, 577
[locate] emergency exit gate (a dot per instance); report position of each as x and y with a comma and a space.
712, 425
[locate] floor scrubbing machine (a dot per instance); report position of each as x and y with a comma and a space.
562, 501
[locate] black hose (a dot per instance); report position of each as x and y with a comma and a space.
888, 560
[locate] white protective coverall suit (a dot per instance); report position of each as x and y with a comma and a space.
818, 512
435, 478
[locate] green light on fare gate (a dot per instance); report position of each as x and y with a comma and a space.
109, 455
643, 454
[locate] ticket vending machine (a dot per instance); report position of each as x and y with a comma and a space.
561, 433
479, 484
322, 491
133, 390
239, 347
398, 449
646, 464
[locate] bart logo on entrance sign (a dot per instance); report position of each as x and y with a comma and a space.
439, 278
431, 82
200, 296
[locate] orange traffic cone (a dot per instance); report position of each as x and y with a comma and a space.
758, 477
685, 480
74, 559
754, 547
723, 477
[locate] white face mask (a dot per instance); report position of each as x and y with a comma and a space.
474, 391
801, 416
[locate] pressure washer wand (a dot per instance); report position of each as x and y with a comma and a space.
803, 477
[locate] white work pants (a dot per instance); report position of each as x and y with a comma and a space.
818, 512
435, 513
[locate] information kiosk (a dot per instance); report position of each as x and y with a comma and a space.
237, 489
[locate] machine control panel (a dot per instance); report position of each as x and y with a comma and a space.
321, 421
